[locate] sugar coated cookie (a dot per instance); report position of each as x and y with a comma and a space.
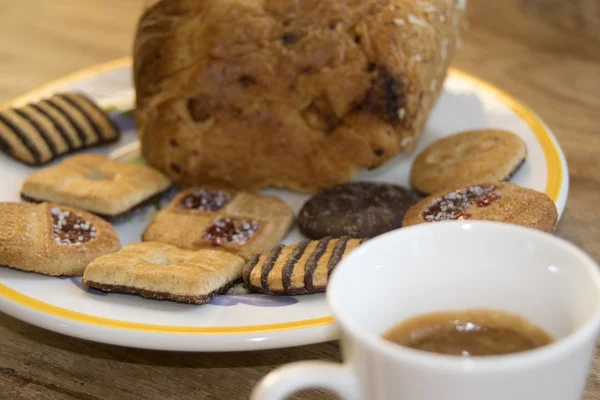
501, 202
52, 239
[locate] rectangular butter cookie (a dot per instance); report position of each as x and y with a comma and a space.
243, 223
164, 272
52, 239
98, 184
38, 133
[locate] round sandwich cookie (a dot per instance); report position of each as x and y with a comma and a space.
487, 155
357, 209
500, 202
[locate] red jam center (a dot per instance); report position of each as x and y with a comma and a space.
71, 228
452, 205
205, 200
230, 230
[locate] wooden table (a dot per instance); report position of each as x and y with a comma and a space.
546, 52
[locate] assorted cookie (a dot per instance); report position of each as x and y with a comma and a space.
98, 184
242, 223
38, 133
488, 155
501, 202
209, 239
164, 272
52, 239
301, 268
356, 209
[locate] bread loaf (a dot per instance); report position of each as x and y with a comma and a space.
298, 94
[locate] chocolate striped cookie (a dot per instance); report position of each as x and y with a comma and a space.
36, 134
301, 268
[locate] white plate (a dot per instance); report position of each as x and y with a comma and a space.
246, 322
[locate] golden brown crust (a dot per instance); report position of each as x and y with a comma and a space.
302, 268
186, 228
161, 271
95, 183
27, 240
296, 94
487, 155
514, 205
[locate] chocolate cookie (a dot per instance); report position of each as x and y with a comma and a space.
487, 155
357, 209
500, 202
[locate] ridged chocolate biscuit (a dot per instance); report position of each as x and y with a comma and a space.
38, 133
487, 155
357, 209
302, 268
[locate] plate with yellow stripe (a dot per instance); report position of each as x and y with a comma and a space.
240, 321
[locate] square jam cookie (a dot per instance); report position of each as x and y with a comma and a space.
98, 184
242, 223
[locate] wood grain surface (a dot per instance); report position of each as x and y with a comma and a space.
546, 52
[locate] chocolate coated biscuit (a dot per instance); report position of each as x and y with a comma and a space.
357, 209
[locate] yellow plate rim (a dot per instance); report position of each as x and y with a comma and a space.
554, 184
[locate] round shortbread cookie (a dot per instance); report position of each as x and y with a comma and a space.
487, 155
357, 209
500, 202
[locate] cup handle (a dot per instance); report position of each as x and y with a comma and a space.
288, 379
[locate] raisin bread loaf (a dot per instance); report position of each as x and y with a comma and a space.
299, 94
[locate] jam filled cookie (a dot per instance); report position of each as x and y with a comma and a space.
242, 223
52, 239
475, 156
98, 184
301, 268
164, 272
37, 133
501, 202
358, 209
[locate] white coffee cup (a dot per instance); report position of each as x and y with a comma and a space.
456, 266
